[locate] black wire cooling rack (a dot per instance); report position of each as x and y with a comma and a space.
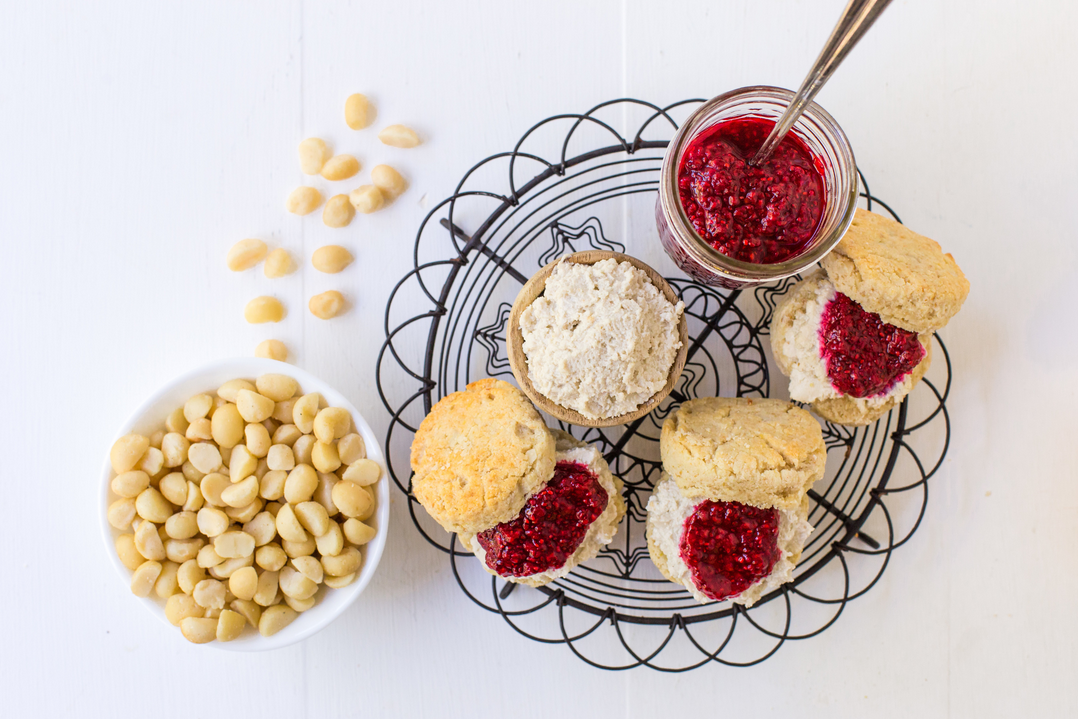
473, 253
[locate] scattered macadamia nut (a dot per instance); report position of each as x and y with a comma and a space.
245, 254
313, 155
326, 305
398, 136
357, 110
338, 212
278, 264
272, 349
331, 259
233, 516
263, 309
303, 201
388, 181
340, 167
366, 199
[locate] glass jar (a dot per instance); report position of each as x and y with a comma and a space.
817, 129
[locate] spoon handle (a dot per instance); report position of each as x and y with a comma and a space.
854, 23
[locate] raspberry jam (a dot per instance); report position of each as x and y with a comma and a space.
729, 546
550, 527
864, 355
763, 214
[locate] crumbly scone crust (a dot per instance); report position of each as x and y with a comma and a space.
782, 321
479, 455
903, 277
848, 411
606, 521
763, 452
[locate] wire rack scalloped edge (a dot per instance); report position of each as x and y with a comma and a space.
843, 540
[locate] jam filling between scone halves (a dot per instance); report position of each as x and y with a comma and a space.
729, 546
550, 527
864, 355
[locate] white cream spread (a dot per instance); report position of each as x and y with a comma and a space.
601, 339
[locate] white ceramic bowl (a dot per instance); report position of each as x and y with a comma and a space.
151, 416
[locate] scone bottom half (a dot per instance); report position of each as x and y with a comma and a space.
728, 519
723, 550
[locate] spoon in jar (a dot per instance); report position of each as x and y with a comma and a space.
855, 22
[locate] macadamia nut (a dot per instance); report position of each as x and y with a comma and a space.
326, 305
263, 309
398, 136
313, 155
340, 167
357, 111
245, 254
331, 259
303, 201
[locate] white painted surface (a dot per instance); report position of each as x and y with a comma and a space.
141, 140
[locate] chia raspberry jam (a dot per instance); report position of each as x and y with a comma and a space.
550, 527
764, 214
864, 355
729, 546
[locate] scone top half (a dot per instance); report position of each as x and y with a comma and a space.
479, 455
902, 276
761, 452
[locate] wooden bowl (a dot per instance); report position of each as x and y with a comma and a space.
519, 362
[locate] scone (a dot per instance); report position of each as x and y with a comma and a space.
565, 523
479, 455
530, 503
729, 517
856, 337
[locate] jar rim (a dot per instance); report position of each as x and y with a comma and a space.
707, 255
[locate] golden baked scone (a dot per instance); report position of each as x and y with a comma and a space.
479, 455
852, 413
892, 271
602, 529
761, 452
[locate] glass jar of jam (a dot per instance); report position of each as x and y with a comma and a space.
725, 222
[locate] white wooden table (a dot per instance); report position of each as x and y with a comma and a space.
140, 140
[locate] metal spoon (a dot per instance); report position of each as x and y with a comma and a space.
855, 22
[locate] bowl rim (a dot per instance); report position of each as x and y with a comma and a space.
251, 367
518, 361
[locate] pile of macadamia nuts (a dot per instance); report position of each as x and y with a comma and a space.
243, 507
